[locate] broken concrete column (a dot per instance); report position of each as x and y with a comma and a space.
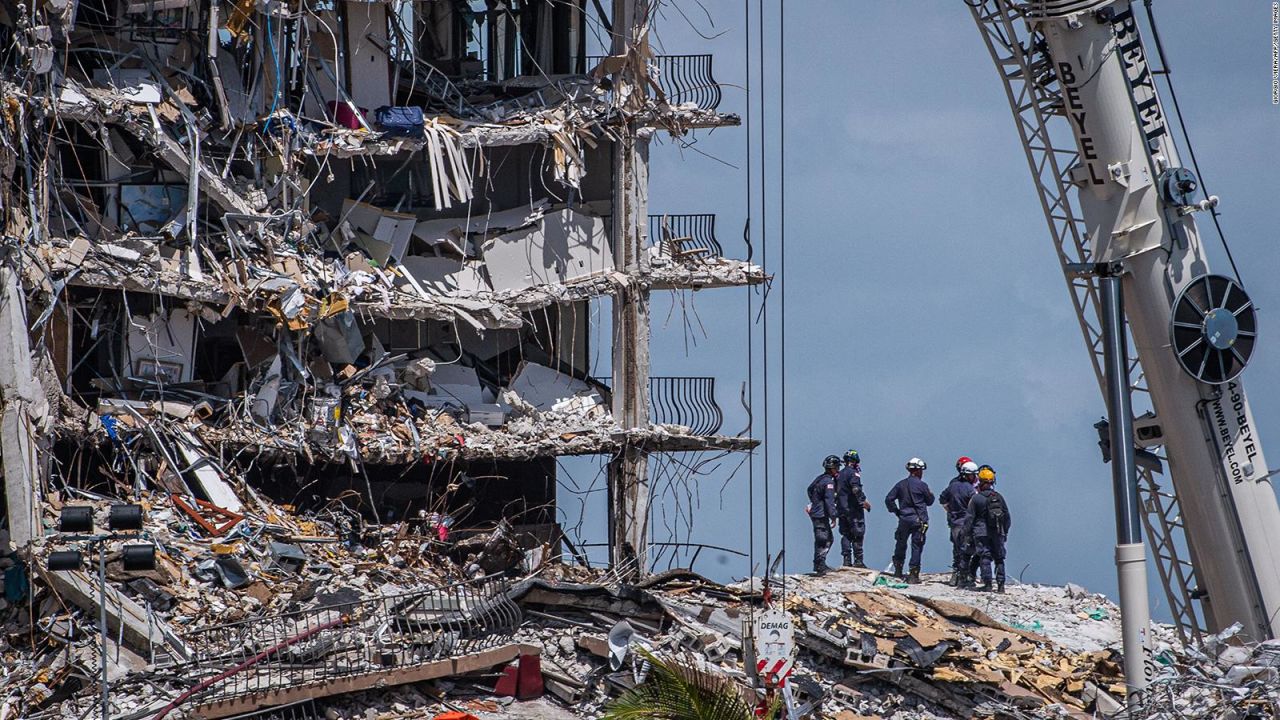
629, 470
18, 395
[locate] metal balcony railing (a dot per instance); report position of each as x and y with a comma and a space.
683, 78
688, 401
347, 639
682, 400
700, 229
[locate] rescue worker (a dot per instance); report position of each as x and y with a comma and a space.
987, 522
822, 511
910, 499
955, 499
851, 503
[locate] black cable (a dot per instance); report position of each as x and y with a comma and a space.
764, 264
1191, 152
782, 268
746, 233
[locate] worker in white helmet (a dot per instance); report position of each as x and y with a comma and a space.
910, 499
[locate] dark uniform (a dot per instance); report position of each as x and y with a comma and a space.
853, 519
989, 527
909, 499
956, 500
822, 510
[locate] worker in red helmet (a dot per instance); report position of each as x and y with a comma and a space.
955, 499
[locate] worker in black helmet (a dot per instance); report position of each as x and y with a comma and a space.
910, 499
987, 521
822, 511
852, 505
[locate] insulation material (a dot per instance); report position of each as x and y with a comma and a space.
564, 247
161, 347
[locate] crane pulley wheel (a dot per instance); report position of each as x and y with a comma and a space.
1214, 329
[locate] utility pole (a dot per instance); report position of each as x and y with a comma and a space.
629, 471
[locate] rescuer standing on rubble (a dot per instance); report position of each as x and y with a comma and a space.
910, 499
822, 511
955, 499
987, 521
851, 503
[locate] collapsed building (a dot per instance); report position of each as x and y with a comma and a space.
316, 281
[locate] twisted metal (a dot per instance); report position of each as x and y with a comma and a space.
350, 638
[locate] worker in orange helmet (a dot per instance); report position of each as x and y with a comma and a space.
987, 521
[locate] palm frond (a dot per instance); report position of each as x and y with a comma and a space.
679, 690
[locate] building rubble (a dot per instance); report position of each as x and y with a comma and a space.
317, 284
380, 608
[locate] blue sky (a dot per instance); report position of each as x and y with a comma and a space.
925, 311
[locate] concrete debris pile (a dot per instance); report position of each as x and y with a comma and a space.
229, 585
314, 612
1220, 678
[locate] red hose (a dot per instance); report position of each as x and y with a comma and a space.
248, 664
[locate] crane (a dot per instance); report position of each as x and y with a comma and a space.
1118, 199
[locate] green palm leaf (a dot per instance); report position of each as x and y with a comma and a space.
678, 690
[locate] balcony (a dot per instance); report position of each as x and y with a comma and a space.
683, 78
697, 232
683, 400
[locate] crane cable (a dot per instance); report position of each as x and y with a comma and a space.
751, 393
1191, 152
764, 265
782, 270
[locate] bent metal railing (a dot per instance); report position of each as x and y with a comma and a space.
700, 229
682, 400
683, 78
688, 401
348, 639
